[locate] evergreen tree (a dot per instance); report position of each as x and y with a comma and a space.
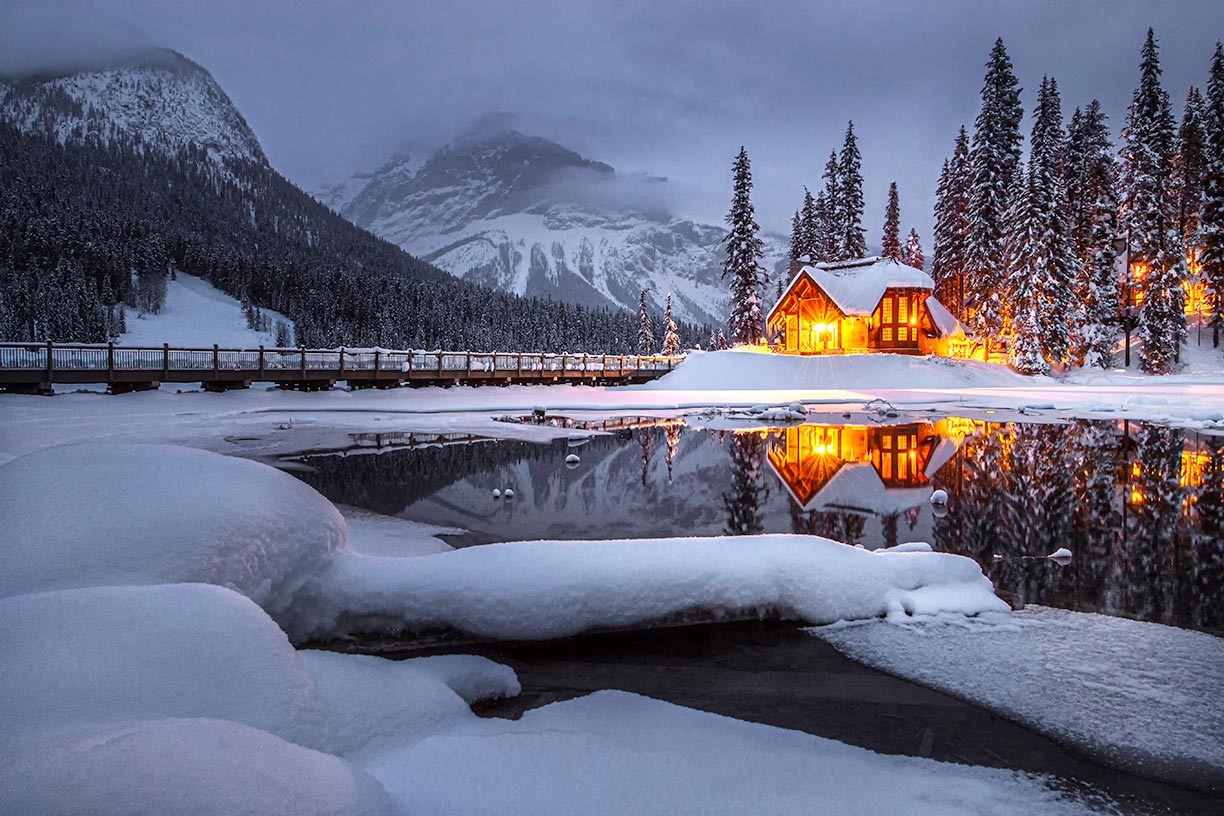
1056, 279
1100, 293
721, 343
831, 212
744, 251
1189, 171
912, 254
891, 243
810, 218
993, 160
951, 239
645, 333
1211, 223
1025, 278
822, 234
852, 243
798, 246
1090, 172
1150, 216
671, 340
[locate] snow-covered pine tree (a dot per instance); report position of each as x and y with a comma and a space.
671, 340
1024, 277
993, 159
797, 245
810, 218
744, 251
831, 213
912, 253
1091, 175
852, 243
822, 240
1150, 216
1047, 205
1189, 170
645, 332
721, 343
1100, 292
1211, 219
957, 196
891, 243
944, 276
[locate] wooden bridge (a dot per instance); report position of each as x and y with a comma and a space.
35, 368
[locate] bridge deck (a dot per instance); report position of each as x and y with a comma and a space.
37, 367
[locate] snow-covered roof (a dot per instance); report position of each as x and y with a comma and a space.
856, 487
856, 286
945, 322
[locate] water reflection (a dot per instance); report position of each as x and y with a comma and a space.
1141, 506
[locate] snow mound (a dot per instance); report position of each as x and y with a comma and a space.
751, 370
537, 590
613, 753
110, 654
1137, 696
97, 514
179, 766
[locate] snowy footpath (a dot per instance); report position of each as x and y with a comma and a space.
145, 593
1141, 697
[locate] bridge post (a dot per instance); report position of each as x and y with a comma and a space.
165, 361
216, 359
341, 377
50, 365
303, 367
376, 353
110, 361
261, 361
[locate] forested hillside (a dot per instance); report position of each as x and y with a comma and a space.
89, 222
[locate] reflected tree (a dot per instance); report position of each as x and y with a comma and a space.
743, 502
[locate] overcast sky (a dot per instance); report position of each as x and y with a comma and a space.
667, 87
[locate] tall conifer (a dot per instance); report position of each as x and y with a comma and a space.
744, 251
1211, 219
891, 243
850, 183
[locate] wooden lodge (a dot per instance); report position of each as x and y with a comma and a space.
867, 305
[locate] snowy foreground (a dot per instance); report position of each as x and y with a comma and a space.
1139, 696
144, 669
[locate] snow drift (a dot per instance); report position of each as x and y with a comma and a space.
759, 370
537, 590
96, 514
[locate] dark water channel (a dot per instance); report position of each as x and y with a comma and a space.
1140, 506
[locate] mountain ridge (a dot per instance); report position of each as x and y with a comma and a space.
524, 214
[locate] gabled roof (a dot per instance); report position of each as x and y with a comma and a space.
856, 287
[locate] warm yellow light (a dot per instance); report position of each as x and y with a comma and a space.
1135, 469
1136, 496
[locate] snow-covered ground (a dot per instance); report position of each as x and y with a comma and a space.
1139, 696
196, 314
128, 689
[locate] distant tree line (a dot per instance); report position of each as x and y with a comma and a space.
87, 224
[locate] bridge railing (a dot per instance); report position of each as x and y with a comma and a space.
109, 357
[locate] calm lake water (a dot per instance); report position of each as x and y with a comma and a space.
1140, 506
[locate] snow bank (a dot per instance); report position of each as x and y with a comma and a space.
536, 590
1138, 696
618, 753
122, 654
749, 370
180, 766
111, 654
96, 514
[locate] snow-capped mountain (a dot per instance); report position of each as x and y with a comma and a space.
523, 214
160, 96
